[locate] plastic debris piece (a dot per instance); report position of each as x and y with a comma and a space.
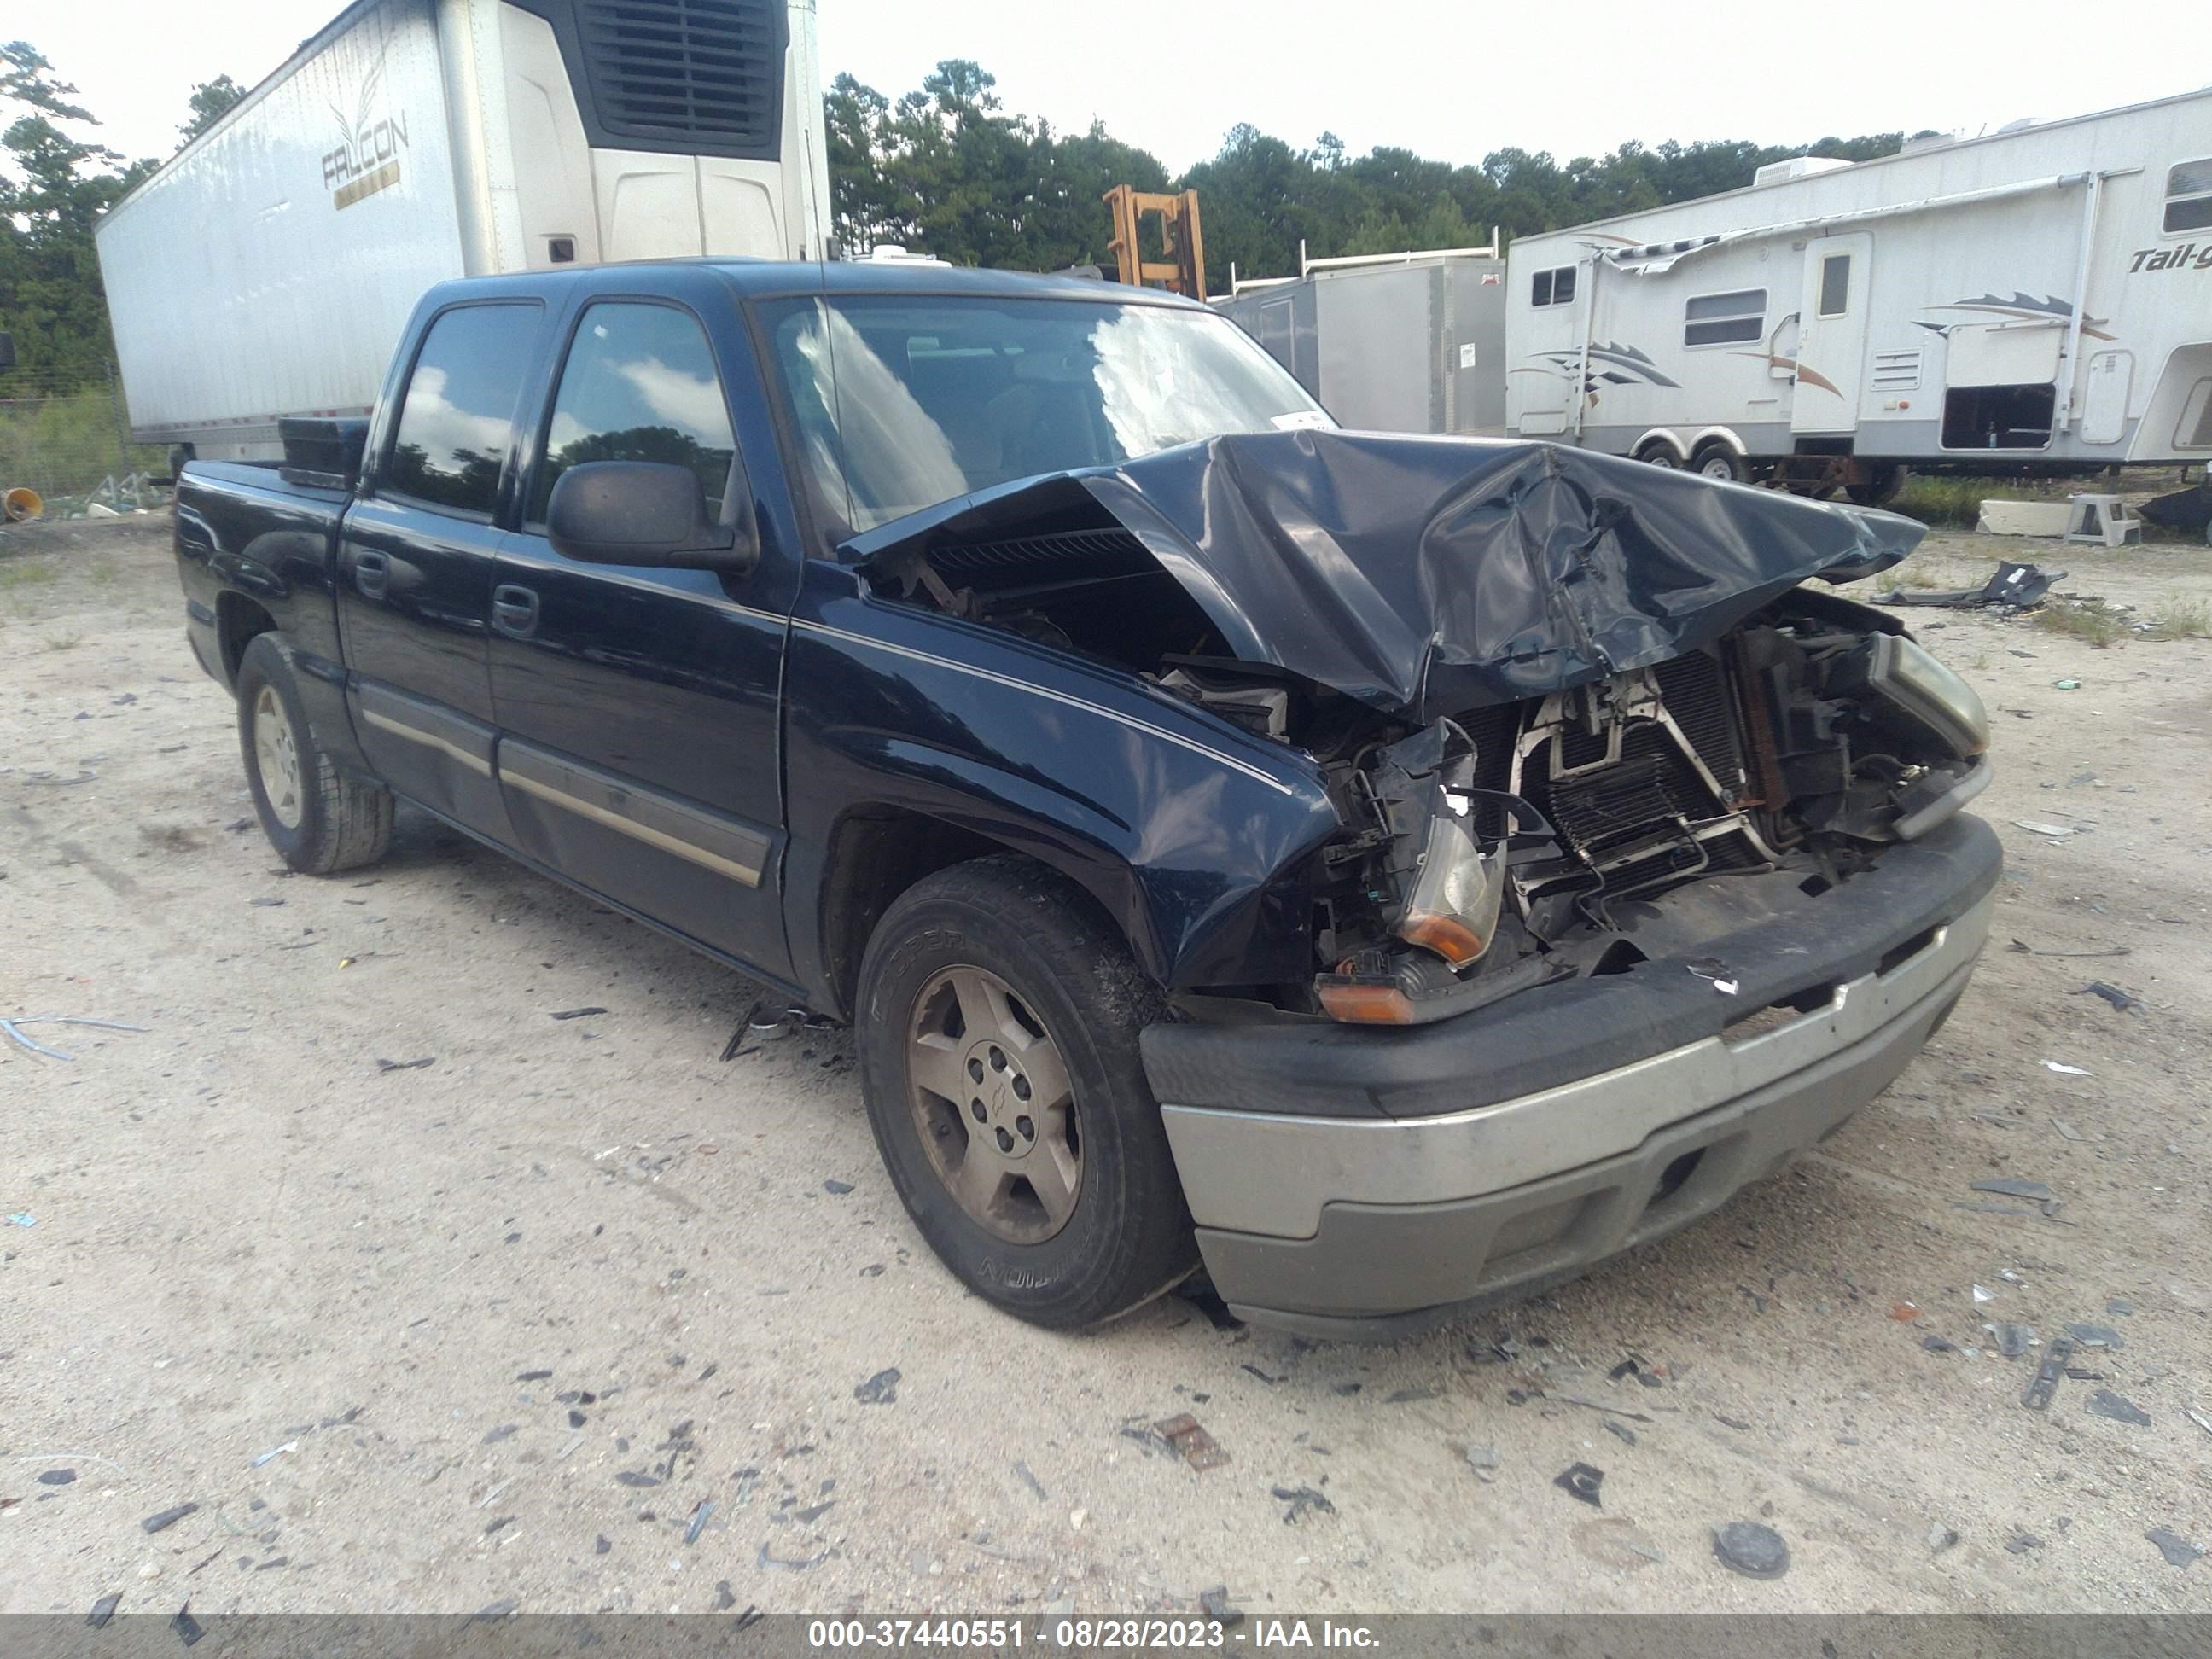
2120, 1307
1029, 1480
1939, 1345
2202, 1419
188, 1629
2095, 1336
636, 1478
501, 1432
1981, 1295
2067, 686
1300, 1499
168, 1517
1716, 973
1484, 1461
2021, 1543
1620, 1430
578, 1014
2178, 1551
2054, 831
2066, 1071
699, 1519
765, 1559
57, 1477
2107, 1404
1940, 1538
2045, 1385
1197, 1448
2066, 1130
2009, 1187
2012, 1340
406, 1064
1580, 1480
836, 1189
22, 1218
104, 1609
1905, 1312
2112, 993
1754, 1551
1215, 1602
881, 1390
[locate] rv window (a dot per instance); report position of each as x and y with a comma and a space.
1835, 285
1555, 287
2188, 196
459, 409
1724, 318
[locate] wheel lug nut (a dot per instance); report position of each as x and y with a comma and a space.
1028, 1128
975, 1071
998, 1059
976, 1108
1021, 1087
1006, 1141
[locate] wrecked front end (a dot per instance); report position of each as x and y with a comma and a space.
1547, 692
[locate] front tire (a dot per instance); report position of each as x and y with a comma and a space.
319, 820
1659, 454
998, 1014
1719, 461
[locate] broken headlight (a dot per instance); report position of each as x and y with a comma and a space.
1453, 903
1915, 687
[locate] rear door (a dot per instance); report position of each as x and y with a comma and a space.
414, 564
638, 707
1832, 334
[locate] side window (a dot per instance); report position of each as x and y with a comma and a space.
1726, 319
1835, 285
459, 414
1555, 287
2188, 196
639, 385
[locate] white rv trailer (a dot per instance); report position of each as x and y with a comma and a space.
268, 269
2036, 300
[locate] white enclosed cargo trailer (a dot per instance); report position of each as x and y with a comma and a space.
2038, 299
268, 269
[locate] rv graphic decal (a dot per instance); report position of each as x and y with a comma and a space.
2021, 307
1803, 375
2188, 256
1610, 364
367, 159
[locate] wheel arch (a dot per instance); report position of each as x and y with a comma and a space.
238, 620
1706, 437
1660, 436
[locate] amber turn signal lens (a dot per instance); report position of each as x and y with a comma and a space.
1449, 936
1367, 1005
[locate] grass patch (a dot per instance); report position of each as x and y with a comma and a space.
62, 641
1947, 503
2091, 623
24, 573
2181, 619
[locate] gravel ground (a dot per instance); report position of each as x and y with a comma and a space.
512, 1324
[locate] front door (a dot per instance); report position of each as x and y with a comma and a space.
1832, 334
638, 706
415, 565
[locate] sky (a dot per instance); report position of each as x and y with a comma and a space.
1451, 82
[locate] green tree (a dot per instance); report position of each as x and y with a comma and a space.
53, 190
209, 100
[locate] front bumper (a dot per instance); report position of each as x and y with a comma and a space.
1363, 1183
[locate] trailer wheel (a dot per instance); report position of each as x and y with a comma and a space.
1882, 482
998, 1014
319, 820
1719, 461
1658, 454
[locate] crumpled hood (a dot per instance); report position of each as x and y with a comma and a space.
1428, 575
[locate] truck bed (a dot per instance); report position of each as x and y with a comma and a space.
255, 549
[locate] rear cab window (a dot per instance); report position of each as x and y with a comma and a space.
639, 385
457, 421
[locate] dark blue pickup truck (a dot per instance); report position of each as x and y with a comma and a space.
1399, 873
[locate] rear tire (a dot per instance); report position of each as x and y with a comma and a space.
1883, 481
319, 820
1719, 461
1659, 454
999, 1013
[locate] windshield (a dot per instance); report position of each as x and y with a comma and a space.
903, 404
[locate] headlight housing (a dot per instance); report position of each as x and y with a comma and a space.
1453, 905
1915, 687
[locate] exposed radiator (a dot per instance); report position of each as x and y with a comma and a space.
1695, 689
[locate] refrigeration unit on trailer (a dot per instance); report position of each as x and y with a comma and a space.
1389, 342
268, 268
2036, 300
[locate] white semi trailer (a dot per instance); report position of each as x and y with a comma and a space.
268, 269
2036, 300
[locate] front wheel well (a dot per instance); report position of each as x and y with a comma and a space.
237, 620
875, 853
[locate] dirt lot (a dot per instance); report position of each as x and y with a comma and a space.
432, 1338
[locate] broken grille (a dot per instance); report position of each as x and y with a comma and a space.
709, 71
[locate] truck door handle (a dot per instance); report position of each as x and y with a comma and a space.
514, 612
371, 572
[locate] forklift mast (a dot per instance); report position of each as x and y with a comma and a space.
1183, 271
